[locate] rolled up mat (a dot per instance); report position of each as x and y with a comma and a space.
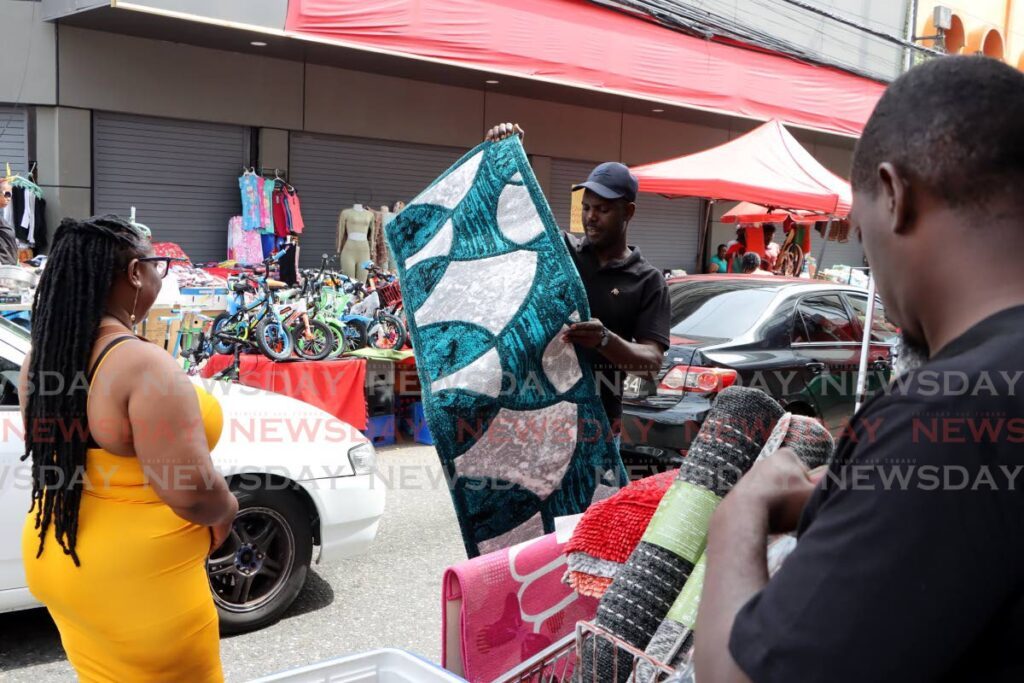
672, 642
609, 531
733, 434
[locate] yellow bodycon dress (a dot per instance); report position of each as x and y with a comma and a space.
139, 607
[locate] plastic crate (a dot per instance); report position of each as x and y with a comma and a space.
380, 430
418, 425
379, 666
380, 388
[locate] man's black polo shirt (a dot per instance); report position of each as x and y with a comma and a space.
910, 565
631, 298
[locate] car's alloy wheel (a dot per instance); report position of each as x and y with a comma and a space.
260, 569
253, 565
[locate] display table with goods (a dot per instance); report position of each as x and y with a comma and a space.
335, 386
846, 275
379, 397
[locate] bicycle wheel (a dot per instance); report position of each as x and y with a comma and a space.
386, 332
791, 261
273, 340
318, 346
355, 336
219, 325
340, 341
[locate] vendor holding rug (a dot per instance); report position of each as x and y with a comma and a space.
629, 303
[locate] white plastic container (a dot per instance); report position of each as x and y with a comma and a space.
379, 666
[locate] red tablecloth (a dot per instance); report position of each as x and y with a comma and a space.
336, 386
223, 272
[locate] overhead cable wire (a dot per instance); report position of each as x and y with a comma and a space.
705, 23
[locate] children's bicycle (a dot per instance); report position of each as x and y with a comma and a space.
255, 324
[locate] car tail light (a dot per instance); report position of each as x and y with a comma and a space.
697, 379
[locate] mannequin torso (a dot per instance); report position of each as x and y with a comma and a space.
354, 228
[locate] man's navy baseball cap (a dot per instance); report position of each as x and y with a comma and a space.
612, 180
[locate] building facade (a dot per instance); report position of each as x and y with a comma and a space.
994, 28
160, 104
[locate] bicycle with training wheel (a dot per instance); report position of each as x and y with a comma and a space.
311, 338
326, 305
383, 330
256, 324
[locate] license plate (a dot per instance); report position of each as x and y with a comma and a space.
632, 387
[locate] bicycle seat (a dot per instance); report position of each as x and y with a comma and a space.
242, 287
276, 284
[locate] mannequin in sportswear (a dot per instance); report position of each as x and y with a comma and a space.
355, 226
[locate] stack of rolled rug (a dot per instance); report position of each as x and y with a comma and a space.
674, 638
609, 532
643, 591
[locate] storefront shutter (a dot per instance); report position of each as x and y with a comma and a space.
849, 253
333, 173
13, 139
181, 176
667, 231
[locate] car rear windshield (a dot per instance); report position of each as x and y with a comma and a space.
718, 310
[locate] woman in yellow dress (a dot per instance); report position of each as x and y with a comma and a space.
126, 503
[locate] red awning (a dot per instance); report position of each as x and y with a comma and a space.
576, 43
745, 212
767, 166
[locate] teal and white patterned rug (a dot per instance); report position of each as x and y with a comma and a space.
489, 286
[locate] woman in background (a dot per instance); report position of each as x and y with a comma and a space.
126, 503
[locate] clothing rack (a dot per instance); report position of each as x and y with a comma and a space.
268, 174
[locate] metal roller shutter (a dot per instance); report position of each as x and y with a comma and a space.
13, 139
667, 231
333, 173
849, 253
180, 175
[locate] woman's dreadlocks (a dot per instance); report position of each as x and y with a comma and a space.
69, 303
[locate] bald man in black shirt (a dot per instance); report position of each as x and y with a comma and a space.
910, 560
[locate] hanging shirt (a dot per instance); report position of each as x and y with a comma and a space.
295, 211
280, 213
267, 206
28, 216
15, 211
265, 219
243, 245
40, 235
248, 183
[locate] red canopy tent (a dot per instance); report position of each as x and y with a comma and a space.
767, 166
745, 212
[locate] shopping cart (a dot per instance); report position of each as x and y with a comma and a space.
557, 664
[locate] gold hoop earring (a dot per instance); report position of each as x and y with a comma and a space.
135, 304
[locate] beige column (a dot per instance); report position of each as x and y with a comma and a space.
64, 155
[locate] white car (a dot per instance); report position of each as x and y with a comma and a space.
303, 478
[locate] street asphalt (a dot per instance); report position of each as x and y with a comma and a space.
390, 597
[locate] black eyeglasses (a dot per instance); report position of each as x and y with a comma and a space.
162, 263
